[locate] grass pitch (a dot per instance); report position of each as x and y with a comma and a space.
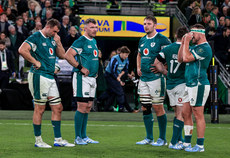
117, 133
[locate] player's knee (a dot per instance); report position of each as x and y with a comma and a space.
186, 115
148, 109
54, 101
39, 111
188, 129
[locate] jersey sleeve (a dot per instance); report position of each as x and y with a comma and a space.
199, 53
77, 46
139, 46
32, 41
113, 65
162, 53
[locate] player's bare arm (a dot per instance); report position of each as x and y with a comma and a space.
69, 56
59, 50
187, 55
24, 51
139, 64
159, 67
180, 52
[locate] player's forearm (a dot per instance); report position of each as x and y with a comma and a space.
60, 51
186, 52
26, 55
71, 60
138, 61
180, 54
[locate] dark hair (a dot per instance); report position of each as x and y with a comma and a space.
125, 49
199, 26
190, 2
151, 17
214, 7
53, 22
90, 20
181, 31
206, 15
2, 42
226, 28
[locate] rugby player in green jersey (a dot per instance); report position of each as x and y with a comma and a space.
151, 86
197, 59
41, 49
175, 85
83, 56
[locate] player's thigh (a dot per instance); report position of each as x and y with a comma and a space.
93, 87
81, 86
198, 95
157, 91
39, 87
143, 88
178, 95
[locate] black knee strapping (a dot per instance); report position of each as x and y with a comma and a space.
148, 109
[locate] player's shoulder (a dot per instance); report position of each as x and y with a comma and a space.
143, 38
159, 35
82, 38
36, 35
163, 38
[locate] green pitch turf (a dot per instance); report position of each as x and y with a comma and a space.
117, 133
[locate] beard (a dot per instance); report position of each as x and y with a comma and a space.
195, 41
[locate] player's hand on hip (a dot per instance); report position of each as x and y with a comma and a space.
154, 69
85, 71
37, 65
139, 72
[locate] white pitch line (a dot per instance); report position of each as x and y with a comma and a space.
95, 125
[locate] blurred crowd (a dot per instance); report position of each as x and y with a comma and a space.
215, 16
19, 19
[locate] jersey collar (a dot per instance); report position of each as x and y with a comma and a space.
178, 42
88, 38
151, 37
42, 34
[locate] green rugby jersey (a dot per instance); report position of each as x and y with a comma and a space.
87, 54
176, 70
196, 71
43, 49
149, 48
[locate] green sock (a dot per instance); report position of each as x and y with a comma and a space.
37, 130
181, 136
187, 138
162, 123
177, 128
84, 126
148, 121
57, 128
200, 141
78, 120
